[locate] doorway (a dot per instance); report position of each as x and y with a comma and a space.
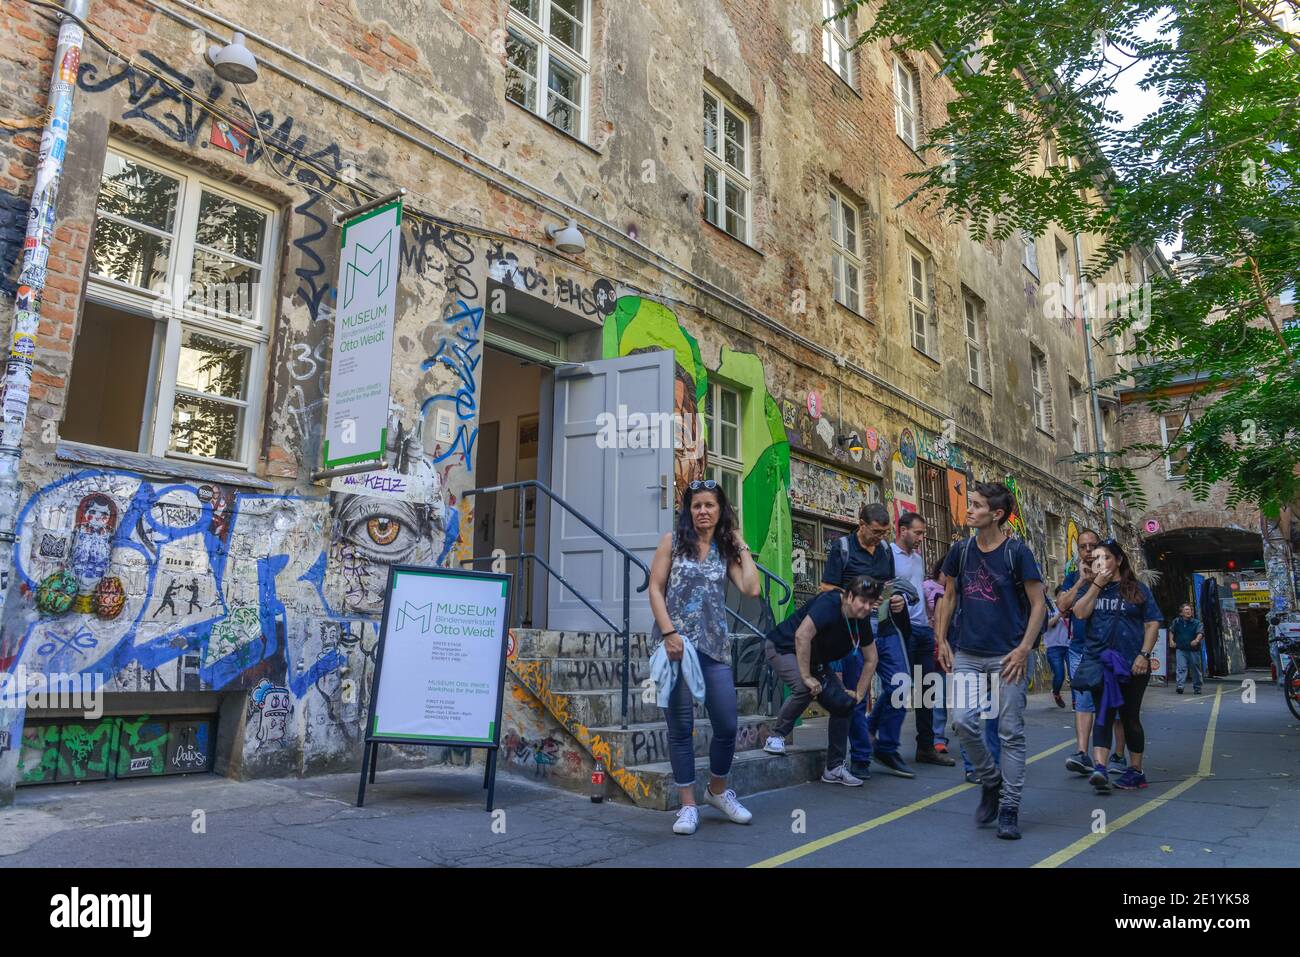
511, 445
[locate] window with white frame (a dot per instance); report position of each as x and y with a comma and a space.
846, 251
177, 315
1172, 428
925, 334
1029, 252
976, 341
906, 104
838, 39
723, 421
547, 64
726, 166
1065, 273
1055, 543
1041, 383
1106, 416
1078, 415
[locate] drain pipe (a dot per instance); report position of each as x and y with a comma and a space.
15, 392
1092, 382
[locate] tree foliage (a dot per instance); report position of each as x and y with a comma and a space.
1213, 168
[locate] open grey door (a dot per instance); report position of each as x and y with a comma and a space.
624, 487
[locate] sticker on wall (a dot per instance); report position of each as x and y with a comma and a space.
814, 405
907, 448
789, 413
873, 440
826, 432
904, 486
878, 463
957, 497
443, 426
231, 138
1152, 526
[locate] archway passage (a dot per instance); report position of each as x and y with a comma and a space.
1181, 554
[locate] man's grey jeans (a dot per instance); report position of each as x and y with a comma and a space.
970, 711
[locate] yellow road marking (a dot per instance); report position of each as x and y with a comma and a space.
823, 842
1202, 772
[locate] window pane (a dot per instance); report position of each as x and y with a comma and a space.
710, 124
528, 8
734, 148
851, 286
521, 78
218, 284
566, 25
107, 400
212, 365
850, 229
730, 406
130, 255
138, 193
206, 428
731, 485
711, 211
565, 90
234, 227
735, 201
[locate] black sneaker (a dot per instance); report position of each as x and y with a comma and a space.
932, 756
1179, 690
972, 777
987, 811
1100, 779
861, 769
1196, 690
893, 764
1079, 764
1009, 824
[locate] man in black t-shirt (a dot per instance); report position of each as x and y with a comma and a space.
828, 628
866, 552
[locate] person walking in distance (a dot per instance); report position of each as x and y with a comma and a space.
1123, 628
1076, 583
910, 565
688, 600
801, 650
996, 583
1185, 639
865, 553
931, 591
1057, 645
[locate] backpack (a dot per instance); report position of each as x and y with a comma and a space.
843, 543
1014, 545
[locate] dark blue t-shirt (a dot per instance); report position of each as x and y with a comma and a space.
878, 565
991, 620
836, 635
1185, 631
1118, 624
1078, 627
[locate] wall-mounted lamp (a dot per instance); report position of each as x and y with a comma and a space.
567, 238
233, 62
853, 443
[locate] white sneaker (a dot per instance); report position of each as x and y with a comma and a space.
688, 819
841, 775
726, 803
775, 744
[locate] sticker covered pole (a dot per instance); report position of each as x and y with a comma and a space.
15, 392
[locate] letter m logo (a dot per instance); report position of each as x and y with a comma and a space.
373, 262
421, 613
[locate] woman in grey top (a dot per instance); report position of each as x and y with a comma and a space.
688, 600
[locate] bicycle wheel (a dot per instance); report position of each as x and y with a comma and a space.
1291, 688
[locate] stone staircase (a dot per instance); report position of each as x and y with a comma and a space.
577, 677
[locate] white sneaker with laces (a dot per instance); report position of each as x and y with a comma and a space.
775, 744
726, 803
841, 775
688, 819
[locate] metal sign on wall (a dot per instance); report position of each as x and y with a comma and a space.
361, 366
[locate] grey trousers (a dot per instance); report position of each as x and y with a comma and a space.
975, 677
837, 729
1189, 662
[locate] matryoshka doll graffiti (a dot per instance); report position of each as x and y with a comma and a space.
83, 586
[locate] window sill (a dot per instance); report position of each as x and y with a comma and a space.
1043, 431
1032, 274
722, 232
934, 359
986, 390
847, 85
555, 129
80, 454
853, 312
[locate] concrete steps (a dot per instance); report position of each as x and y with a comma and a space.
602, 708
647, 743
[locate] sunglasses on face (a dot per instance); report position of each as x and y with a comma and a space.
707, 484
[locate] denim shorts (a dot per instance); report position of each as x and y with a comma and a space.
1082, 698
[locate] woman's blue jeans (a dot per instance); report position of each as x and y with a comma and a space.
720, 702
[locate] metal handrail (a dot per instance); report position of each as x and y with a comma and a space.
628, 560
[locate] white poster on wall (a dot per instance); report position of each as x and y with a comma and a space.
362, 360
441, 657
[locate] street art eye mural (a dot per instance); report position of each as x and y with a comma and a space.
384, 531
